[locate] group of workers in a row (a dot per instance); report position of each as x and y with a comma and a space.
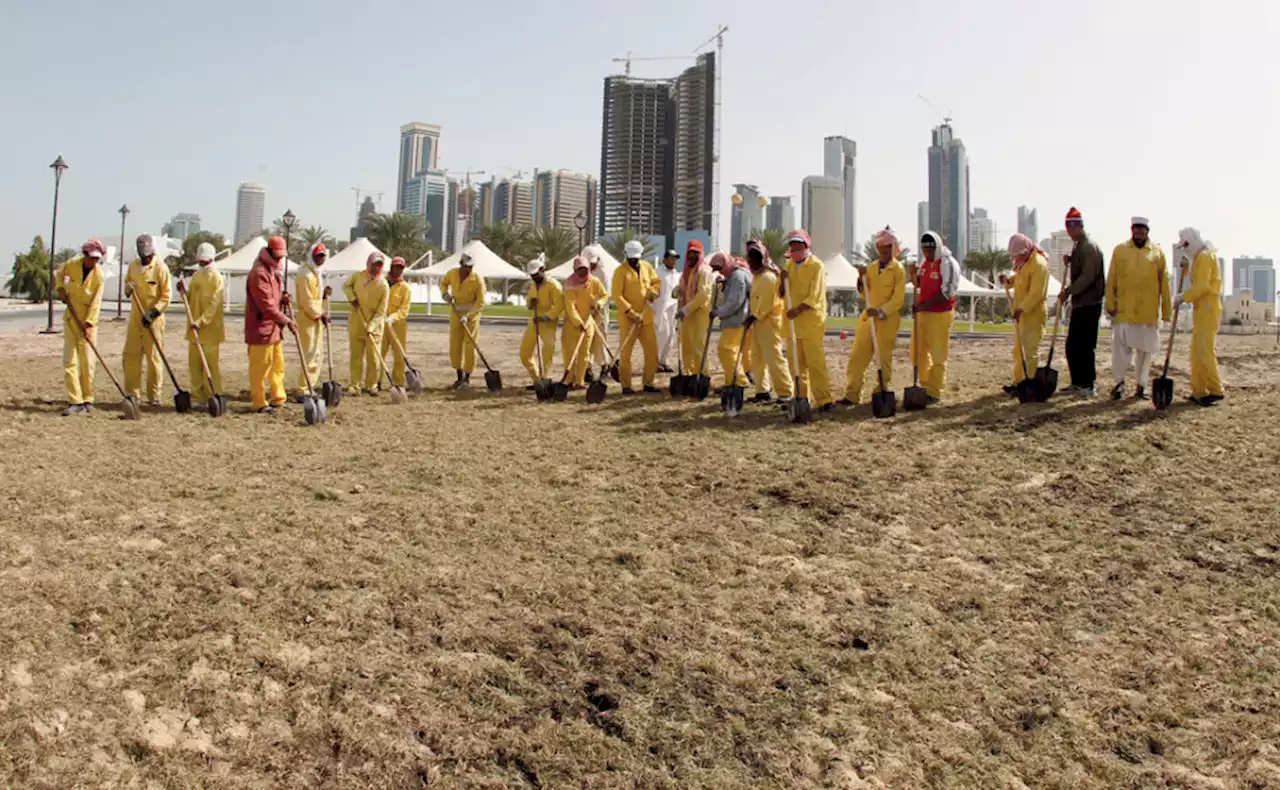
772, 319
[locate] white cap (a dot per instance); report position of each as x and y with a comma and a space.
537, 264
205, 252
465, 260
1140, 221
633, 249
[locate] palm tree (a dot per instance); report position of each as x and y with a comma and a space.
401, 234
616, 245
870, 253
558, 244
989, 263
508, 242
775, 241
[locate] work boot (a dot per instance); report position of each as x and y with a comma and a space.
827, 407
589, 377
784, 403
531, 388
1118, 392
930, 400
87, 408
628, 391
73, 410
267, 410
465, 384
846, 402
761, 397
650, 389
1086, 392
1141, 393
1214, 398
457, 385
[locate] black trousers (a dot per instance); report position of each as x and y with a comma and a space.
1082, 340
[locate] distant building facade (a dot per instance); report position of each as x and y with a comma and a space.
419, 152
251, 207
949, 190
840, 161
982, 231
1028, 223
822, 210
780, 214
1256, 275
181, 226
745, 217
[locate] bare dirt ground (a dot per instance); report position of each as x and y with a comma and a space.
483, 592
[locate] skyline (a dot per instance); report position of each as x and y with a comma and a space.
1026, 143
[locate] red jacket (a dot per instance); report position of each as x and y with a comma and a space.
262, 316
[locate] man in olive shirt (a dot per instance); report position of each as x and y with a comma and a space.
1086, 287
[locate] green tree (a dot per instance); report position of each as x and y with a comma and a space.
870, 253
31, 272
310, 236
187, 261
616, 245
990, 263
775, 241
511, 243
401, 234
558, 244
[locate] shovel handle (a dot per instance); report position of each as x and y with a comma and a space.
1017, 331
793, 361
467, 331
84, 333
395, 341
191, 324
574, 359
875, 353
155, 341
1173, 330
711, 323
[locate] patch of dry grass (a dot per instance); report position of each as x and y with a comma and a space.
481, 591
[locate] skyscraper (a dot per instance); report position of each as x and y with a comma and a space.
745, 218
1028, 224
822, 214
657, 152
1254, 274
513, 202
419, 151
181, 226
367, 210
982, 231
251, 207
780, 214
949, 190
694, 97
1056, 247
840, 160
922, 220
559, 196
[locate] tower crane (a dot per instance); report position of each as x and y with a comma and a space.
946, 117
362, 191
627, 60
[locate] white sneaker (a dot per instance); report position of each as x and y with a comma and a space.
1085, 392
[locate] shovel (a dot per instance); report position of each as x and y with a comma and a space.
799, 410
614, 368
492, 378
181, 398
330, 390
884, 403
129, 406
543, 388
732, 398
412, 378
217, 404
313, 408
1162, 387
679, 382
1028, 391
700, 387
1046, 377
560, 392
915, 397
396, 392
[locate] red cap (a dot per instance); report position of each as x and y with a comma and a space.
1073, 215
397, 261
276, 244
694, 245
93, 249
319, 250
801, 235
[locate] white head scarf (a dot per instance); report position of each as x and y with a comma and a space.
1191, 243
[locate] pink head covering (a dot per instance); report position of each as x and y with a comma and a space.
887, 238
581, 273
1021, 247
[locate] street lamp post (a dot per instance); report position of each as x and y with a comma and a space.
288, 221
58, 166
124, 212
580, 222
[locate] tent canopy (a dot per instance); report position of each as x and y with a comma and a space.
608, 263
841, 275
355, 258
487, 264
241, 261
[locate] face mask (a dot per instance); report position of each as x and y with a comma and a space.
798, 255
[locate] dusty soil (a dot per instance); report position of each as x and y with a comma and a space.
483, 592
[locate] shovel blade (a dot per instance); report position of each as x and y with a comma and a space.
129, 409
560, 392
731, 401
701, 387
493, 380
678, 385
800, 410
1046, 383
543, 389
313, 410
398, 395
413, 379
884, 404
596, 392
215, 407
915, 398
1028, 392
1162, 392
613, 372
182, 402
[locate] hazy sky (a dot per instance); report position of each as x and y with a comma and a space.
1165, 108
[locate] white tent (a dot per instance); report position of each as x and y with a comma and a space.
487, 264
841, 275
355, 258
608, 263
241, 261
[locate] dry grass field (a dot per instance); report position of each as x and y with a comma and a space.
480, 591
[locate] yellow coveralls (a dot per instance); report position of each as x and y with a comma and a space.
397, 322
368, 296
769, 358
309, 290
1030, 289
807, 283
468, 303
84, 292
600, 339
548, 303
733, 339
205, 295
151, 284
886, 289
578, 303
634, 292
1205, 294
697, 318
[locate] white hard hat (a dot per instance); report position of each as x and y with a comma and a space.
633, 249
537, 264
205, 252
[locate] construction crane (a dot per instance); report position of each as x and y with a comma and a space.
464, 210
946, 117
519, 174
627, 60
362, 191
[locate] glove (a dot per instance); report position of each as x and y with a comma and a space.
150, 316
324, 319
128, 290
749, 322
680, 314
448, 298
